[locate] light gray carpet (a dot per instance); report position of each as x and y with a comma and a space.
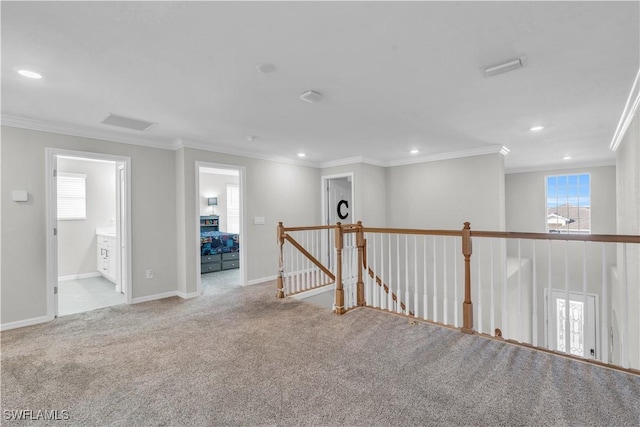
77, 296
245, 358
219, 281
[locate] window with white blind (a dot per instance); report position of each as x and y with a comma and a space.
72, 203
233, 208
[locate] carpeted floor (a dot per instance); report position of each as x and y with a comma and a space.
245, 358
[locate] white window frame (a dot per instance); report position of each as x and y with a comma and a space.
68, 211
546, 205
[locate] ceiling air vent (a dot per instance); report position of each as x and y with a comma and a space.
127, 122
311, 96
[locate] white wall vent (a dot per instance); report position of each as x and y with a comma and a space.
127, 122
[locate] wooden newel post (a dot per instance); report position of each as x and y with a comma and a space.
467, 306
338, 306
360, 284
280, 284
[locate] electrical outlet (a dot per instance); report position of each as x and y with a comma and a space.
149, 274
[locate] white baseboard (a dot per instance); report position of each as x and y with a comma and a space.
154, 297
185, 295
26, 322
78, 276
261, 280
315, 291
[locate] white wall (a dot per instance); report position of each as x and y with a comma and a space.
628, 222
445, 194
215, 185
23, 281
370, 191
526, 212
77, 238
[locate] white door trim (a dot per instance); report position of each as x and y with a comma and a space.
323, 191
243, 219
51, 220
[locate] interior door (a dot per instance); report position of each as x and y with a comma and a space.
339, 208
581, 317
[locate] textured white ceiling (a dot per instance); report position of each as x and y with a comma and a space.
394, 75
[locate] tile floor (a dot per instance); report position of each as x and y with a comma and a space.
77, 296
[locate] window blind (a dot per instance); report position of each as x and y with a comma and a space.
71, 196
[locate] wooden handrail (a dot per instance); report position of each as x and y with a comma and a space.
308, 228
310, 257
454, 233
606, 238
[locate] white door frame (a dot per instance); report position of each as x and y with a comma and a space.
51, 155
243, 220
323, 191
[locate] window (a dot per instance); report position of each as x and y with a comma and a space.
72, 202
569, 203
233, 208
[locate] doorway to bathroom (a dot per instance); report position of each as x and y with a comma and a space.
88, 252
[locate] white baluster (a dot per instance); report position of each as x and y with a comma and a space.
435, 281
505, 288
567, 324
445, 300
390, 287
398, 291
415, 278
479, 275
624, 353
520, 322
425, 302
406, 274
492, 310
534, 296
456, 315
604, 333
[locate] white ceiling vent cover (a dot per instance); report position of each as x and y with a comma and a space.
311, 96
127, 122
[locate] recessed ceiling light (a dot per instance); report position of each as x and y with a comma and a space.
414, 151
567, 158
29, 73
536, 128
251, 138
301, 155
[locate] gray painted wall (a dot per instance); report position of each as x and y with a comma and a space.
23, 274
628, 222
445, 194
213, 185
77, 238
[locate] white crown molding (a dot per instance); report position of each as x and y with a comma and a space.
44, 126
183, 143
559, 167
353, 160
492, 149
628, 113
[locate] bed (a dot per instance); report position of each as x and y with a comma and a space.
218, 242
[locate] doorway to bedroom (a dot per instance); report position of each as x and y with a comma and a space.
220, 228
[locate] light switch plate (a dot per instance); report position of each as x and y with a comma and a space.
19, 196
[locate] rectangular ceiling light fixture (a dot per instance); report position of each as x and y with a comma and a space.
127, 122
494, 70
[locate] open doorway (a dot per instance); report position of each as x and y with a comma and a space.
219, 207
88, 249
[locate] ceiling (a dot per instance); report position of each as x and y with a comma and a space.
394, 76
